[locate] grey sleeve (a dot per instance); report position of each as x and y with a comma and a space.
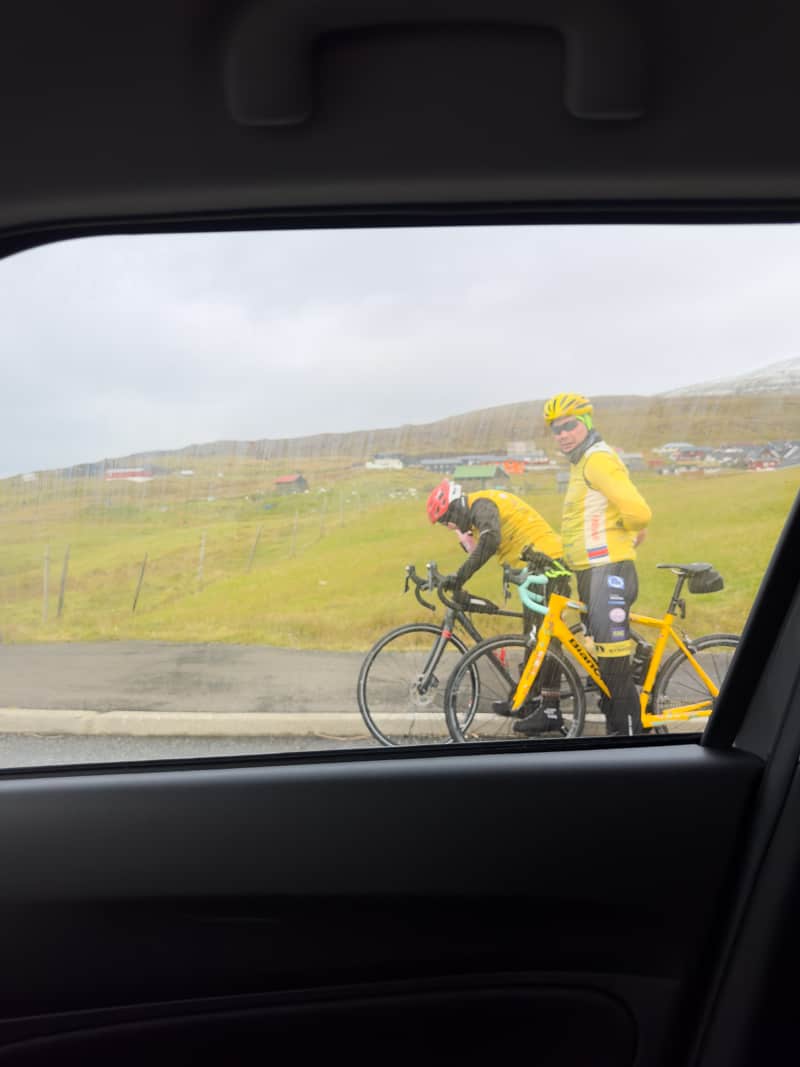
485, 518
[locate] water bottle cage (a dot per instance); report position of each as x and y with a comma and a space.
640, 661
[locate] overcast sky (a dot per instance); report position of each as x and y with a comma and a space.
117, 345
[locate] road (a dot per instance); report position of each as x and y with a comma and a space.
112, 701
164, 677
145, 688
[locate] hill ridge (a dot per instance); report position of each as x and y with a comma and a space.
636, 423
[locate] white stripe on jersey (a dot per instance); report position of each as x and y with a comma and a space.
594, 524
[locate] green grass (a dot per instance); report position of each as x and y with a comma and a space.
328, 568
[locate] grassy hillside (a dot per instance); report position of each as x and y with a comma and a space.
327, 567
634, 423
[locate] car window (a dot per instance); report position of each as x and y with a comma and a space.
258, 489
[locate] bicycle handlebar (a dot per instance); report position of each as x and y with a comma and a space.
525, 582
465, 601
470, 603
419, 583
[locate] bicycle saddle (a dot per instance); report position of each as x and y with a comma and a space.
685, 568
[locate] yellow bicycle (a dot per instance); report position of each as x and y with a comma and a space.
509, 668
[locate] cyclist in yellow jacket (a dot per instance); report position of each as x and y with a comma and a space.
604, 519
494, 523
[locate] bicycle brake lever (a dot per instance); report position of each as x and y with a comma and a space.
431, 567
410, 570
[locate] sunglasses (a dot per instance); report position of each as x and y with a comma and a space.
565, 427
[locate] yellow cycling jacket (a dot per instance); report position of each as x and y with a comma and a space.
520, 525
602, 510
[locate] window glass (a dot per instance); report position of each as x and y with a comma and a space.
222, 453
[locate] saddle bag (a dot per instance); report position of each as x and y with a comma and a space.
706, 582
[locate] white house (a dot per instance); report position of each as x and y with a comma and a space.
388, 463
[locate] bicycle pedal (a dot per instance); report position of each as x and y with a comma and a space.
503, 707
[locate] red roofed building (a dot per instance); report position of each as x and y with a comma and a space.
128, 474
291, 483
514, 466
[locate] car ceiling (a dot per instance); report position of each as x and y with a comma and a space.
177, 108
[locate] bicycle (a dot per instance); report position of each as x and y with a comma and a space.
680, 688
402, 679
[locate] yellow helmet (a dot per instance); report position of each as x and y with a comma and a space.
566, 404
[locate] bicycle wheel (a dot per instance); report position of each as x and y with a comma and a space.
401, 685
677, 684
489, 673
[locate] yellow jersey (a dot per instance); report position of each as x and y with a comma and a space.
520, 525
603, 510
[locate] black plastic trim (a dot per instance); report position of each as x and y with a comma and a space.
545, 213
762, 629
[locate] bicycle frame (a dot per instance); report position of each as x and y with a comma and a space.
452, 616
455, 614
687, 711
553, 626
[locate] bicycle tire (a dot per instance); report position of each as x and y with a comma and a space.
393, 709
469, 712
677, 684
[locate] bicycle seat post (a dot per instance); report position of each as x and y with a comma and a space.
675, 600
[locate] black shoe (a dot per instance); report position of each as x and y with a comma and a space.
503, 707
541, 722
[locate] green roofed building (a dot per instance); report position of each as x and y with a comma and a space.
479, 476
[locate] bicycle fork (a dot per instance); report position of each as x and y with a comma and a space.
546, 632
533, 663
428, 677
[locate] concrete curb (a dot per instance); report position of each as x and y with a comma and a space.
180, 723
333, 724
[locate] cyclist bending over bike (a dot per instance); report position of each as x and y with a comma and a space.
494, 523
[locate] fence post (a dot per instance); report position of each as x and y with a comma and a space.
63, 583
139, 583
294, 536
202, 558
46, 582
253, 549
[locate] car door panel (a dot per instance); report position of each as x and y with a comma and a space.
599, 872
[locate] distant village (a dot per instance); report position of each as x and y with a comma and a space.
481, 470
672, 458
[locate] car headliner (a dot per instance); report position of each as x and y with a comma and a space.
124, 113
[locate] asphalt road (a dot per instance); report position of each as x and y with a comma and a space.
120, 701
163, 677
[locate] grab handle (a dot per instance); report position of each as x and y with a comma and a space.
269, 58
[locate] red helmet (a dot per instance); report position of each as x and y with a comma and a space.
441, 498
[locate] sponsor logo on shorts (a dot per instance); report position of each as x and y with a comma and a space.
617, 615
614, 599
615, 582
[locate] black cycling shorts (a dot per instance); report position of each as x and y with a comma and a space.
608, 592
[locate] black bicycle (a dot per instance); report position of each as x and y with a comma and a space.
402, 680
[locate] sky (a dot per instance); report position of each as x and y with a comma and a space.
116, 345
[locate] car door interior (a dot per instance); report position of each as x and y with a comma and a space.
598, 902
